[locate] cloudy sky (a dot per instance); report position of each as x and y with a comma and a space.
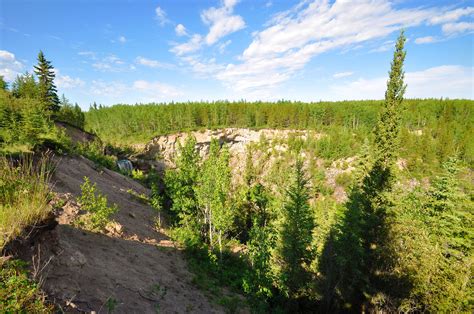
119, 51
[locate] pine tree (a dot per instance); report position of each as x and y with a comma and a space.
47, 90
295, 235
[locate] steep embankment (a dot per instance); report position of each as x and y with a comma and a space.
132, 269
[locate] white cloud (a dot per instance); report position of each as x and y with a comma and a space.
342, 74
385, 46
122, 39
451, 16
151, 63
194, 43
224, 45
66, 81
443, 81
139, 91
102, 88
10, 67
203, 67
294, 37
111, 63
425, 40
160, 16
156, 91
180, 30
221, 21
457, 28
90, 54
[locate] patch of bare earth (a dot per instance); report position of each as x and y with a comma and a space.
131, 269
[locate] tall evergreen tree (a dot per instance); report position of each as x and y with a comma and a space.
295, 235
376, 201
47, 90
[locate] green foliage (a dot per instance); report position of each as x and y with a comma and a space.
3, 84
24, 194
95, 204
23, 122
46, 88
25, 86
344, 179
259, 279
71, 114
180, 183
212, 192
295, 236
19, 294
95, 152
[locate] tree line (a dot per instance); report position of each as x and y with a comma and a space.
29, 107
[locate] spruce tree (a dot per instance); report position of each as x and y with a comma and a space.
295, 235
376, 201
47, 90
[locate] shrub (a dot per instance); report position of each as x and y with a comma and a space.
344, 179
95, 204
95, 152
19, 294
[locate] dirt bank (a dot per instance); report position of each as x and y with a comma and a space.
132, 269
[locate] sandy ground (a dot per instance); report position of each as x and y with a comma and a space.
136, 268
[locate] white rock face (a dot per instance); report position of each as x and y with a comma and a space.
166, 146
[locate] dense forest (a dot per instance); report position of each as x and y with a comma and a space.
400, 241
389, 247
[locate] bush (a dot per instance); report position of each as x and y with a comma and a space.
95, 204
344, 179
19, 294
95, 152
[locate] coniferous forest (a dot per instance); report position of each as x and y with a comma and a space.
273, 232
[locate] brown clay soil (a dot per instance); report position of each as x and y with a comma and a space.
134, 266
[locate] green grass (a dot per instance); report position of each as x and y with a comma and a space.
24, 195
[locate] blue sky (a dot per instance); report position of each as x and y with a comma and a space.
142, 51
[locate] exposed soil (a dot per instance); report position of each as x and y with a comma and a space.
134, 266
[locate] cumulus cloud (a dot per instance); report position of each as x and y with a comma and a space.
180, 30
451, 81
10, 67
342, 74
425, 40
221, 21
194, 43
160, 16
122, 39
66, 81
